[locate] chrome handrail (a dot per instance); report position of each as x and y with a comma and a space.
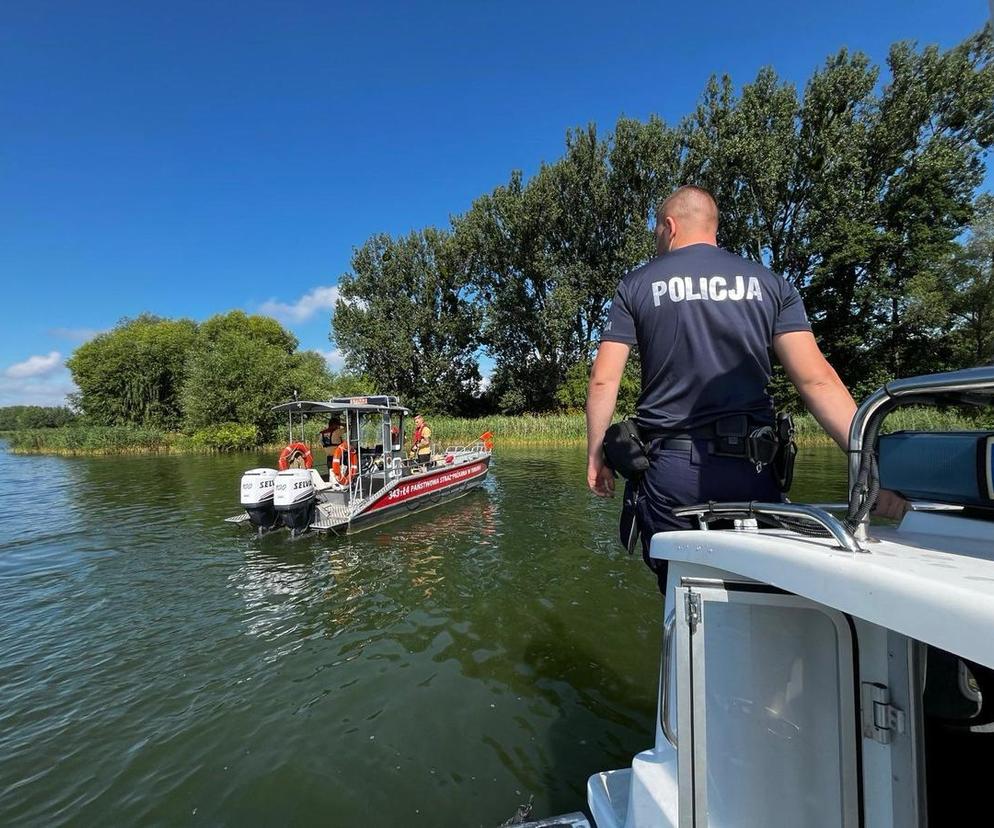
664, 680
903, 392
724, 511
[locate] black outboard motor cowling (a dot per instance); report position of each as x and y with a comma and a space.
258, 488
294, 499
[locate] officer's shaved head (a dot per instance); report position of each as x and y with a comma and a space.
693, 207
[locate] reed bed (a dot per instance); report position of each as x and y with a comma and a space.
73, 440
527, 429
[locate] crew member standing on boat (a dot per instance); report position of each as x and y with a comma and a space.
705, 321
421, 442
332, 437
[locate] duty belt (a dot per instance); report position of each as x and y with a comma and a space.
760, 443
732, 436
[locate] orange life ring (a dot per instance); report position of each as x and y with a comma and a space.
351, 466
300, 448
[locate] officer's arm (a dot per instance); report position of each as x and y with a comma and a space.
816, 381
602, 394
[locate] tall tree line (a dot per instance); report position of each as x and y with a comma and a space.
860, 190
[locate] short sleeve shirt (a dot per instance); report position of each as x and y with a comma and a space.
704, 321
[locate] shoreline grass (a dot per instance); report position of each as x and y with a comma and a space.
525, 430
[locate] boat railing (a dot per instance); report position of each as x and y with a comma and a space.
479, 447
809, 520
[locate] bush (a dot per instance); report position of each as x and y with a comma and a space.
227, 437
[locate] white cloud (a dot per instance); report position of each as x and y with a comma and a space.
316, 299
35, 366
51, 390
75, 334
335, 359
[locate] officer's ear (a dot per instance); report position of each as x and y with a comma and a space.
665, 230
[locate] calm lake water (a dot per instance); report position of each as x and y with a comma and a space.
160, 666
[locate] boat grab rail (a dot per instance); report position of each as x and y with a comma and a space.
706, 512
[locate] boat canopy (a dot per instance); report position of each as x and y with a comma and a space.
375, 402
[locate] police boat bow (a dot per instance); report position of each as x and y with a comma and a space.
369, 481
818, 670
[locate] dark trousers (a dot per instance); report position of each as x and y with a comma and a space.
681, 477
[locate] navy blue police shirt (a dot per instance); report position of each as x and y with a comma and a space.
704, 321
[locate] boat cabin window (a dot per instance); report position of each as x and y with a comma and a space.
766, 693
958, 712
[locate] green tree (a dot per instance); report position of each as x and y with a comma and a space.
347, 384
241, 366
407, 321
546, 256
970, 290
855, 193
133, 373
572, 394
14, 417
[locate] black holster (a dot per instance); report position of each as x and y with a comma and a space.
624, 451
783, 463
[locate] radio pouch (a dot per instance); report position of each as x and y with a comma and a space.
624, 451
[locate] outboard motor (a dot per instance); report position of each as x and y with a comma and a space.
258, 488
294, 499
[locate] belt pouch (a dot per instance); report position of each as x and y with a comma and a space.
731, 436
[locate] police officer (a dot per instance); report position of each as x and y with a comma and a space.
705, 322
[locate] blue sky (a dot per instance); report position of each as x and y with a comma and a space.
191, 158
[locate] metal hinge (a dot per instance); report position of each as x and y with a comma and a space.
881, 720
693, 610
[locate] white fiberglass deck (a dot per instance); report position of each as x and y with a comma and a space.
931, 579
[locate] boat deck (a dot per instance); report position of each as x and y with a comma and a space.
330, 515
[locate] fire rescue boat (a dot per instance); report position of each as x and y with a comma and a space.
369, 480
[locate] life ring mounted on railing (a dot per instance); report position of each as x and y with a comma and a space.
301, 449
351, 464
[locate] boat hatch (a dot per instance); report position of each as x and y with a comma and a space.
764, 699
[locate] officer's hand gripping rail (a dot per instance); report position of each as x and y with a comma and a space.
793, 516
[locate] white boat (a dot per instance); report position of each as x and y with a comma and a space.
371, 481
820, 671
